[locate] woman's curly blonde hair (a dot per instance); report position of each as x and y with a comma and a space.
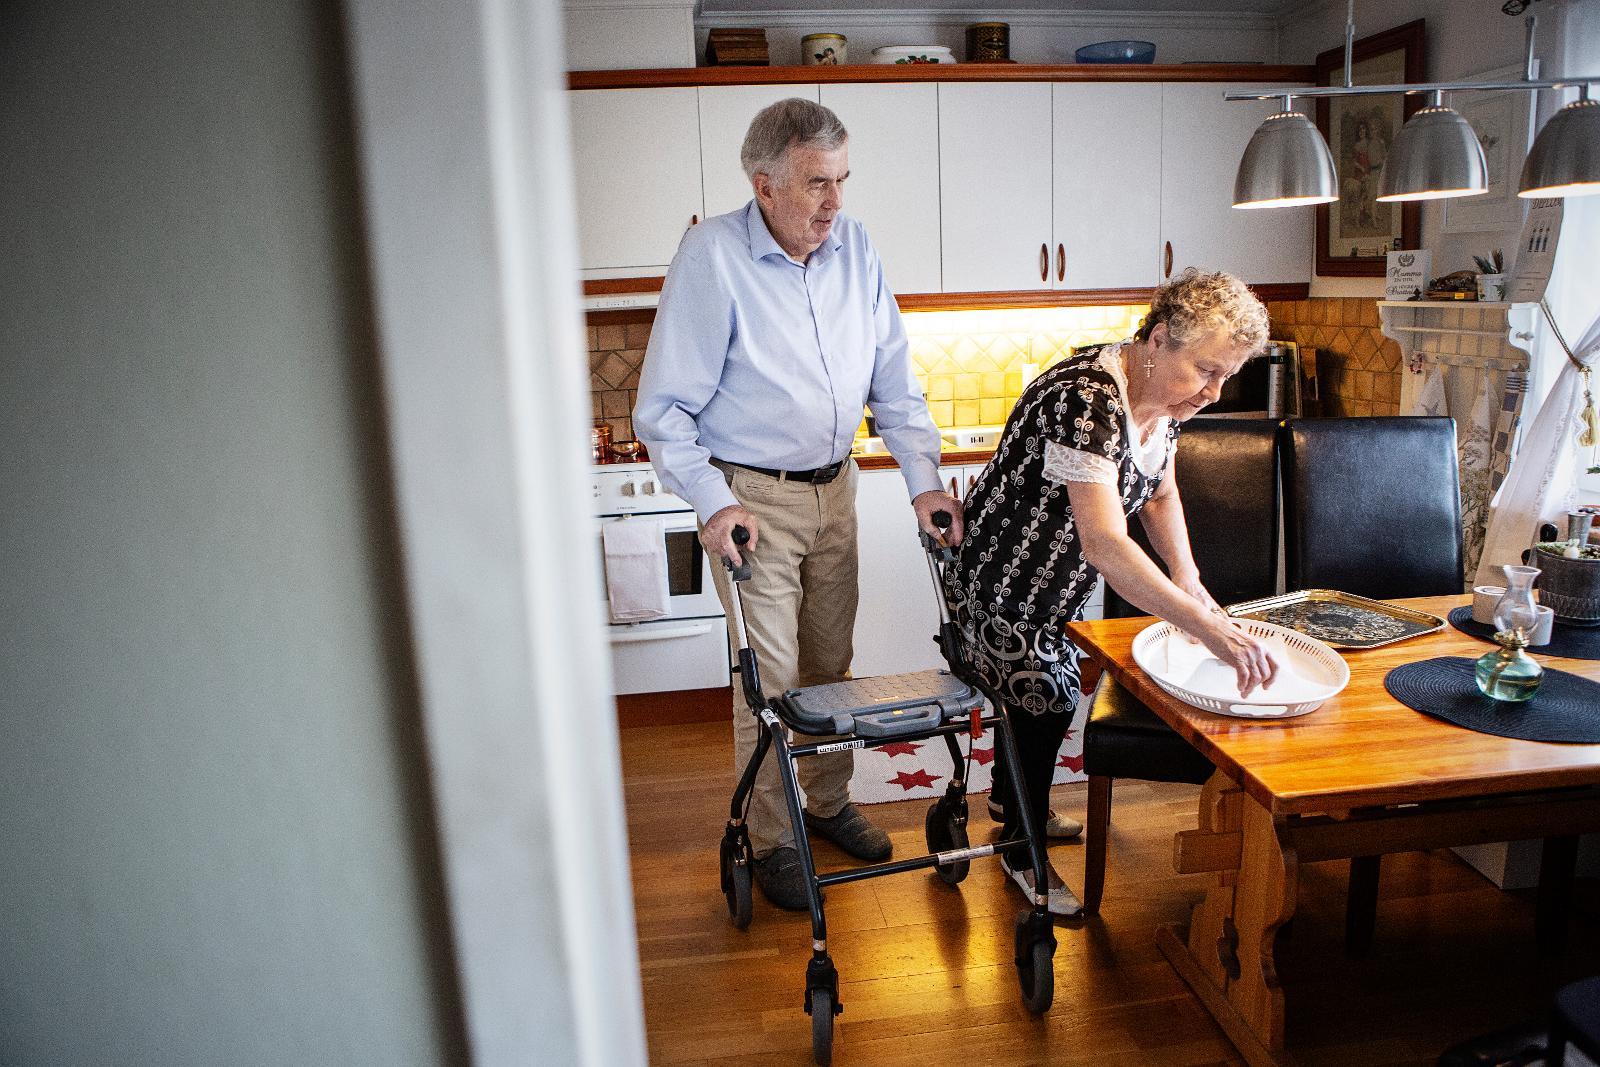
1197, 303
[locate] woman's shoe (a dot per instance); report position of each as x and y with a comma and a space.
1063, 903
1058, 827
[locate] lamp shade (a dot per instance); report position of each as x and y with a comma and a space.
1287, 163
1565, 159
1435, 155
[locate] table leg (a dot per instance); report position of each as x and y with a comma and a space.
1227, 954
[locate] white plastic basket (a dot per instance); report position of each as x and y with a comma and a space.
1318, 672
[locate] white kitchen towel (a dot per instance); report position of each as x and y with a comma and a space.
636, 569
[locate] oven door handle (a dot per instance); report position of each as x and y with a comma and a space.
633, 636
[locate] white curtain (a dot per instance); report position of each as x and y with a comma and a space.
1541, 485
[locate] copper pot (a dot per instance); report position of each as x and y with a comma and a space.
600, 441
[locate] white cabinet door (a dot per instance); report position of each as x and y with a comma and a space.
626, 220
897, 617
1107, 185
994, 185
725, 114
894, 175
1202, 138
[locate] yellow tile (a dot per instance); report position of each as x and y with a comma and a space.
992, 384
992, 411
943, 412
941, 387
1014, 383
966, 413
966, 387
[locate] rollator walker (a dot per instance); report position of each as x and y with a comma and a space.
869, 713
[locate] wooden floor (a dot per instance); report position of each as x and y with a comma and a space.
925, 971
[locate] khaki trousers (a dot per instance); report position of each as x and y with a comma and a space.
799, 618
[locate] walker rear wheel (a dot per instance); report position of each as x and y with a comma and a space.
946, 830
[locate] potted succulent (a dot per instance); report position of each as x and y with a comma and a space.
1570, 584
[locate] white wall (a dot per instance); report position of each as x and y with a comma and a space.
1463, 40
214, 839
624, 34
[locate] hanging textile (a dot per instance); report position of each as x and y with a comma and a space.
1541, 484
1475, 455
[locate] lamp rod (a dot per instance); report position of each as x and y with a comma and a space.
1349, 40
1527, 51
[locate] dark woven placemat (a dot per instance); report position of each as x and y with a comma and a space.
1568, 642
1566, 707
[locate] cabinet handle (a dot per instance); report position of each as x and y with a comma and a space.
1061, 262
972, 480
953, 490
1166, 267
694, 220
1044, 262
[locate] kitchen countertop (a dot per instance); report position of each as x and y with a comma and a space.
947, 457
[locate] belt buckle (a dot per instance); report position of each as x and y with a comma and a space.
824, 475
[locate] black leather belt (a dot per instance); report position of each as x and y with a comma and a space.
818, 476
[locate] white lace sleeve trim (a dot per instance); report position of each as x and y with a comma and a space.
1063, 464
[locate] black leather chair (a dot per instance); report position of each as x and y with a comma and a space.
1227, 473
1371, 506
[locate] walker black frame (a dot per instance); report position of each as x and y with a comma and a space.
1034, 940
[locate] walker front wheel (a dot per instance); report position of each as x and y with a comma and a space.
823, 1010
736, 871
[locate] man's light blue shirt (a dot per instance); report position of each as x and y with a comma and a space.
759, 360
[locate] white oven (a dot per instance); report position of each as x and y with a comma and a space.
688, 649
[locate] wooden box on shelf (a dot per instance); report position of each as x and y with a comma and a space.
737, 48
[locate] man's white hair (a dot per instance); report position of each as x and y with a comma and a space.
789, 123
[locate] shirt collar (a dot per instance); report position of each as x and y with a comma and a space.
763, 244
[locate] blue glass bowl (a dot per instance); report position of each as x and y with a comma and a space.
1117, 52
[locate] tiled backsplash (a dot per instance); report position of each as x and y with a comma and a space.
1358, 369
970, 363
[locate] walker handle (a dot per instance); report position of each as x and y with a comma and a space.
741, 573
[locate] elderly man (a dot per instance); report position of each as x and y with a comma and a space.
775, 328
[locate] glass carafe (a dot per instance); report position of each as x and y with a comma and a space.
1510, 673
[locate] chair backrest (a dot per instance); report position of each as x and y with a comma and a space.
1372, 506
1228, 477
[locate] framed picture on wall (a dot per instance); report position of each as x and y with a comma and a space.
1503, 123
1356, 233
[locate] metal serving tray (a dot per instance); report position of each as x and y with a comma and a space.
1342, 620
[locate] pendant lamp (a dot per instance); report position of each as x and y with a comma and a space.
1565, 159
1286, 163
1436, 155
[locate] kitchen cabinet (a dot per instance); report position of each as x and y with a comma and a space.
630, 223
897, 615
994, 185
1107, 185
725, 114
1202, 138
894, 175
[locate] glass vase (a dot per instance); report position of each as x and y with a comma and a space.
1509, 673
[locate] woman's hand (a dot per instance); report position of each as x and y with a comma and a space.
1249, 658
1190, 583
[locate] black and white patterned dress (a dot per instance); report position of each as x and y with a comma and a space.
1020, 575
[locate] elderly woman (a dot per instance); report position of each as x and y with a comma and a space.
1089, 446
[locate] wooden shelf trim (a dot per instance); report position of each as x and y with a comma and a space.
939, 72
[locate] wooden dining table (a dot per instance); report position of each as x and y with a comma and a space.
1362, 775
